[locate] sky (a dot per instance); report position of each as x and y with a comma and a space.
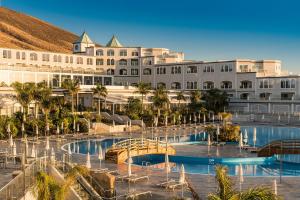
205, 30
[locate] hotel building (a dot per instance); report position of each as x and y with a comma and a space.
253, 85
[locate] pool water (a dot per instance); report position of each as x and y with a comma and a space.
267, 134
269, 166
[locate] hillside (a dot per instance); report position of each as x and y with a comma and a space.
21, 31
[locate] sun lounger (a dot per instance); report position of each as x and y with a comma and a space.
175, 185
163, 184
137, 194
137, 178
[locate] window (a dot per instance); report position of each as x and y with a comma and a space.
208, 85
226, 84
191, 85
160, 70
6, 54
89, 61
175, 85
71, 59
110, 72
226, 68
33, 56
97, 80
76, 47
56, 58
78, 78
110, 52
123, 52
134, 62
88, 80
67, 59
134, 72
110, 62
147, 71
18, 55
23, 56
161, 84
191, 69
123, 62
123, 72
244, 96
266, 83
99, 61
99, 52
176, 70
246, 84
45, 57
135, 53
79, 60
288, 83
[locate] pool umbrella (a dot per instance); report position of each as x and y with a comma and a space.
57, 130
262, 117
199, 117
95, 146
208, 144
241, 142
190, 118
78, 128
69, 149
213, 118
167, 164
100, 154
182, 175
245, 137
52, 158
254, 136
37, 131
88, 161
33, 152
204, 119
47, 144
278, 117
241, 176
217, 152
129, 162
11, 141
184, 119
14, 152
218, 133
275, 186
174, 119
26, 146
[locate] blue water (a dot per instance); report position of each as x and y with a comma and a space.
267, 134
268, 166
251, 166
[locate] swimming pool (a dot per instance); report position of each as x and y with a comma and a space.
252, 166
257, 166
267, 134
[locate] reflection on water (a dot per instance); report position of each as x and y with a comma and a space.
267, 134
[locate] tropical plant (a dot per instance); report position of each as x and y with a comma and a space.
100, 91
72, 86
143, 89
180, 97
133, 108
226, 189
215, 100
160, 99
195, 103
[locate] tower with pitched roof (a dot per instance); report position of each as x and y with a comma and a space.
83, 42
114, 42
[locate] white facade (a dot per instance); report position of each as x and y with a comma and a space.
253, 86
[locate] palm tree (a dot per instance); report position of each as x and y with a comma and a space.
226, 189
160, 99
180, 97
72, 86
216, 100
24, 95
143, 89
100, 91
